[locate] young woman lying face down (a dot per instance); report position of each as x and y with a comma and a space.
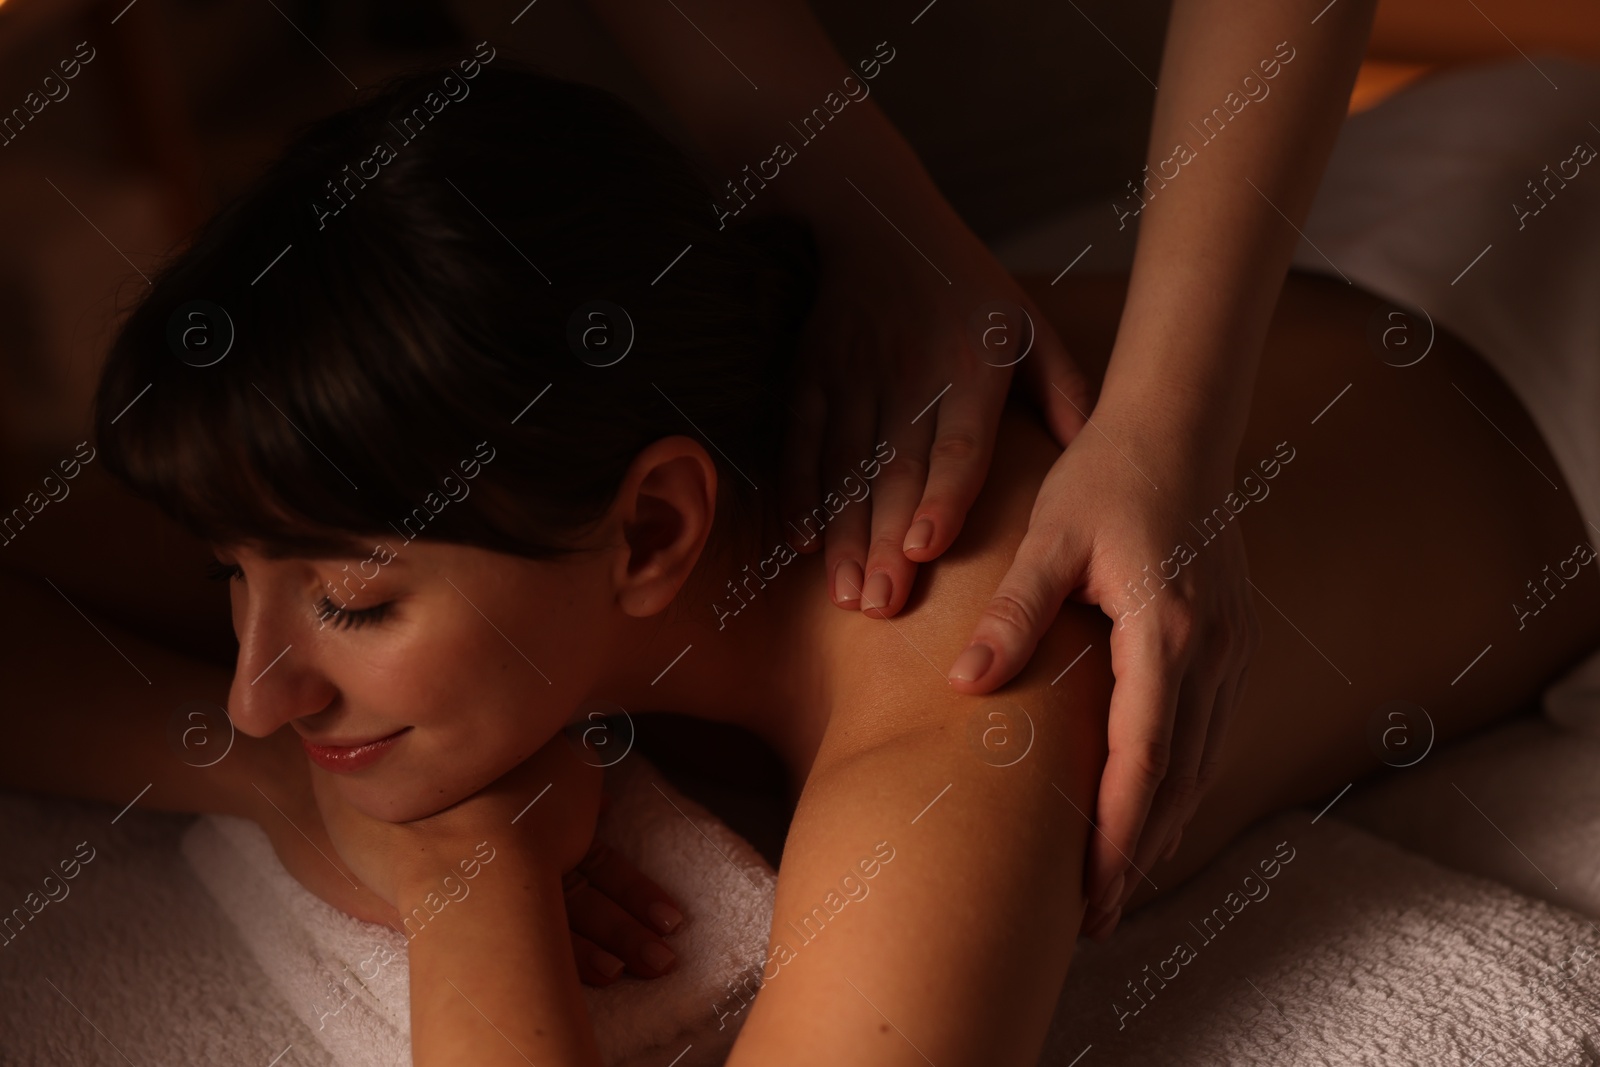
465, 512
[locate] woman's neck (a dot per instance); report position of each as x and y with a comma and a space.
751, 655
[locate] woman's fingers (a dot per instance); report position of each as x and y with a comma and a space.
611, 873
958, 463
595, 916
596, 966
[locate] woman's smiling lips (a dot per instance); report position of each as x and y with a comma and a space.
345, 759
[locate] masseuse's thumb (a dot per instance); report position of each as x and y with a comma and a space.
1049, 565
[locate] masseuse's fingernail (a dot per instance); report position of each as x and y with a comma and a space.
665, 917
657, 957
971, 664
919, 535
847, 582
606, 963
878, 591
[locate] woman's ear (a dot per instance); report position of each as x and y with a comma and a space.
665, 506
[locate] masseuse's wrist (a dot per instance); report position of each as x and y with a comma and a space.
1175, 437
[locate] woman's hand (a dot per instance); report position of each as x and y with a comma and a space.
914, 345
1112, 526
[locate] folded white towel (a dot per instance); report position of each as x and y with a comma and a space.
348, 979
1355, 952
1520, 804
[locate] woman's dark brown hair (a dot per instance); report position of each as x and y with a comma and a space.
336, 346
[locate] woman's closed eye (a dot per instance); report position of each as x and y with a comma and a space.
219, 571
326, 609
346, 617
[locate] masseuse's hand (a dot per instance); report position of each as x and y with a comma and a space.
918, 352
1179, 653
609, 903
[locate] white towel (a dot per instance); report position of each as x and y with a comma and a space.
347, 980
1356, 953
1372, 954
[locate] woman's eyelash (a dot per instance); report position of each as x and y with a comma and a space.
219, 571
345, 618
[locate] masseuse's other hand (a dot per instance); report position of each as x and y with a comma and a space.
1178, 651
613, 910
915, 346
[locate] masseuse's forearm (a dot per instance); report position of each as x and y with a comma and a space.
786, 67
492, 976
1217, 231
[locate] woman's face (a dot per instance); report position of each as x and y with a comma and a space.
471, 660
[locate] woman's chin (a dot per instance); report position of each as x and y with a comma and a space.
401, 798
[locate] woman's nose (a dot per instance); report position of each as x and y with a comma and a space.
276, 678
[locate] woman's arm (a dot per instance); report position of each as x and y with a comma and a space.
492, 977
97, 712
931, 885
478, 888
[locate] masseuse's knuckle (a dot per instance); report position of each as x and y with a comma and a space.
1183, 787
1150, 759
908, 470
956, 446
1176, 628
1012, 614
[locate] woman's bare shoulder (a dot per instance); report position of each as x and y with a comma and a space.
890, 675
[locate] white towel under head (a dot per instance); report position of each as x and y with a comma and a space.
348, 980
